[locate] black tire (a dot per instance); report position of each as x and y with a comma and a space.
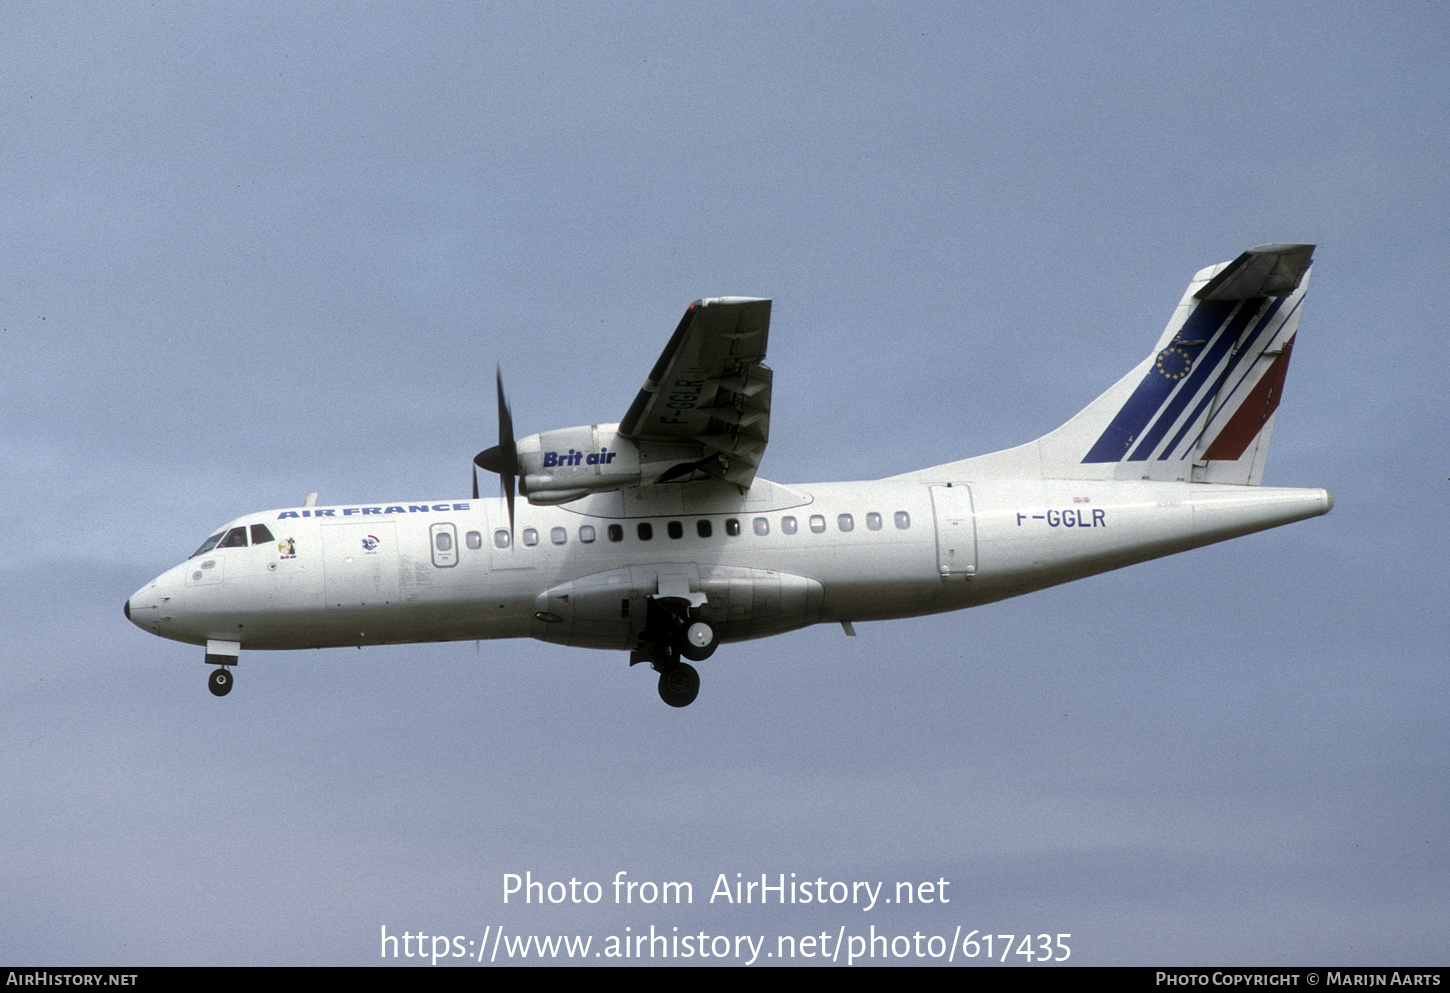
698, 639
220, 682
679, 685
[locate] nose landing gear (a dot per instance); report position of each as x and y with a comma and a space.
220, 681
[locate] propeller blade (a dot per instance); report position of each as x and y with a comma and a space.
502, 458
506, 425
510, 450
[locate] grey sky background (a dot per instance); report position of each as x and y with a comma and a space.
253, 251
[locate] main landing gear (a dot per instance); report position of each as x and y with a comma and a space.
673, 632
679, 684
698, 640
220, 681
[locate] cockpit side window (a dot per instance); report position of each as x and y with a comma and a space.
261, 534
207, 545
236, 538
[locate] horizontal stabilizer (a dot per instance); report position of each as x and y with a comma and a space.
1265, 271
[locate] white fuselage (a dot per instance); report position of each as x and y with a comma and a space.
770, 560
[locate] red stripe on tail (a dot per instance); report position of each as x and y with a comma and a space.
1253, 413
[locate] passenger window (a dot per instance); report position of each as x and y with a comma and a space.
558, 535
616, 532
761, 525
703, 528
846, 522
474, 539
675, 529
818, 524
586, 533
207, 545
732, 527
873, 521
903, 520
443, 541
646, 532
531, 537
236, 538
501, 539
261, 536
788, 525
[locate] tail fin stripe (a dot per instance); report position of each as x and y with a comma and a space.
1197, 420
1155, 388
1244, 358
1210, 370
1253, 413
1248, 371
1217, 323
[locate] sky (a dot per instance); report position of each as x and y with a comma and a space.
253, 251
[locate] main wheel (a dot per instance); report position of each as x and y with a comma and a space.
699, 640
679, 685
220, 682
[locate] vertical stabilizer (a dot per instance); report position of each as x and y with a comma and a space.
1200, 407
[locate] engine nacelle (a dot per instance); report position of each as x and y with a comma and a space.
568, 463
576, 460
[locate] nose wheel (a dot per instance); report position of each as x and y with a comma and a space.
220, 681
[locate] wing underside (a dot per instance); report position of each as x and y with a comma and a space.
707, 400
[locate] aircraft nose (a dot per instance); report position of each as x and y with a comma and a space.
144, 607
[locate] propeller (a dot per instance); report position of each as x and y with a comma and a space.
502, 458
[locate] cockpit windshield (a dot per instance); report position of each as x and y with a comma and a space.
235, 538
207, 545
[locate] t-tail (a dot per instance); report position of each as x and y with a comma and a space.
1200, 407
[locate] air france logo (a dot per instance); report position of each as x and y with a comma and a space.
553, 460
370, 544
412, 508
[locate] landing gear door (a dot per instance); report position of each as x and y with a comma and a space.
956, 531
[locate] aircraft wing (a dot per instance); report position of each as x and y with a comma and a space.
708, 397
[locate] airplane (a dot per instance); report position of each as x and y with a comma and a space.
655, 536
